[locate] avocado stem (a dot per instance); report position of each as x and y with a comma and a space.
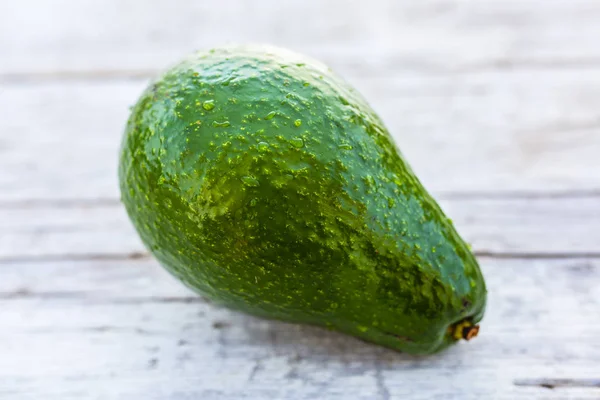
465, 330
470, 332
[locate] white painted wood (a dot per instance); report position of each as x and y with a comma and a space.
384, 35
113, 330
494, 103
509, 227
490, 132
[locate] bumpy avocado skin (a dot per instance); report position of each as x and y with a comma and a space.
265, 182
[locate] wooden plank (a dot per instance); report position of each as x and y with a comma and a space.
439, 35
490, 133
110, 330
492, 102
503, 227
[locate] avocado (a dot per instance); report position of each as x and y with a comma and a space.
265, 182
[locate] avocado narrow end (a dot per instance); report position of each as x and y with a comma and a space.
464, 330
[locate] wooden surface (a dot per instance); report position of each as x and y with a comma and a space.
495, 103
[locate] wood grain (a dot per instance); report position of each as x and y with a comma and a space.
93, 330
526, 227
494, 104
487, 133
381, 35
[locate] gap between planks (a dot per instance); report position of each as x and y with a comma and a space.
51, 258
558, 383
508, 66
462, 195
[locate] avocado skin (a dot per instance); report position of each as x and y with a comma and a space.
266, 183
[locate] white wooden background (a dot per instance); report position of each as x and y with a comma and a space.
496, 104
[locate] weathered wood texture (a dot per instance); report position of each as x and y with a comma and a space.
518, 227
494, 103
125, 329
488, 133
498, 95
381, 35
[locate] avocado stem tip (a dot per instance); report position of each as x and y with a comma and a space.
469, 333
464, 330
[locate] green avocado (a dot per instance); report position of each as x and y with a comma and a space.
265, 182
